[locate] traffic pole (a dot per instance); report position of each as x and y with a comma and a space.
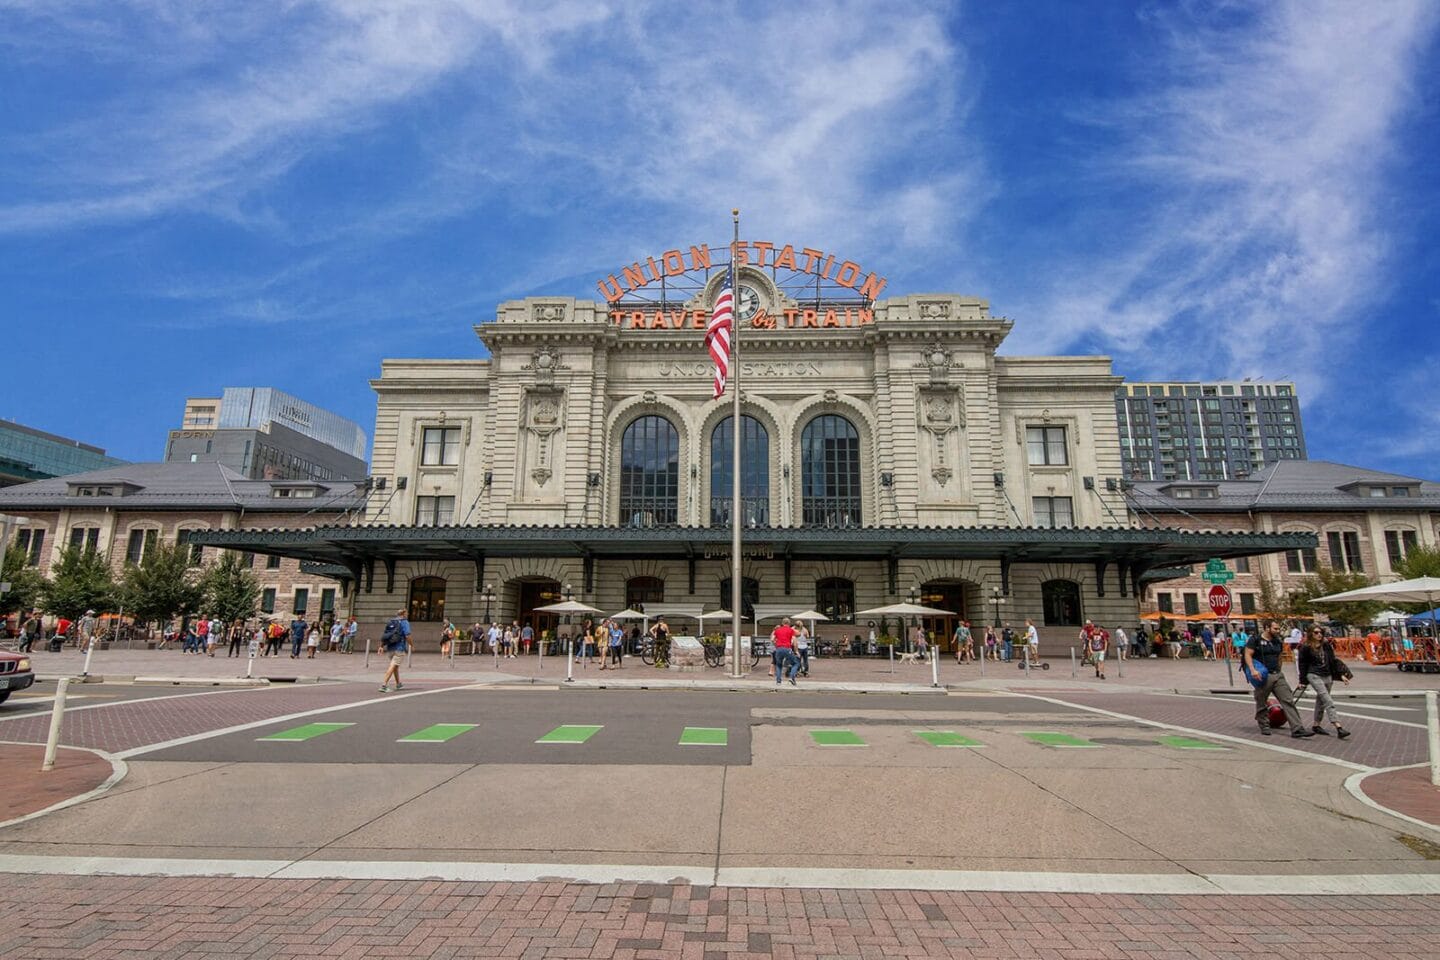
253, 648
1432, 728
57, 716
569, 661
934, 666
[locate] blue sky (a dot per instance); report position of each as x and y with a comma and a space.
201, 195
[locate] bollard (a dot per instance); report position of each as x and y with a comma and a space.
1073, 671
540, 652
453, 642
1120, 667
1025, 660
1229, 668
892, 657
409, 649
569, 662
367, 653
252, 648
495, 649
982, 662
934, 666
57, 715
89, 649
1432, 727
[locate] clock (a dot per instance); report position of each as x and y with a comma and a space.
747, 302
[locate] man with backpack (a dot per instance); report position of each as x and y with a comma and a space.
396, 641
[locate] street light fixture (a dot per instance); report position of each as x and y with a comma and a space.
997, 598
489, 597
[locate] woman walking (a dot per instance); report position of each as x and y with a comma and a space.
802, 647
1319, 668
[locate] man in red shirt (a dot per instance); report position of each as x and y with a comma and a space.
783, 641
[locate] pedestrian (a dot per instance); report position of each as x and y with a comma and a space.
396, 641
660, 633
1007, 643
86, 630
1207, 640
312, 641
992, 643
352, 628
918, 642
1319, 668
601, 638
30, 632
1032, 641
492, 637
337, 633
202, 635
1267, 651
237, 638
616, 640
276, 637
964, 652
782, 640
527, 637
298, 629
802, 649
1099, 645
1122, 644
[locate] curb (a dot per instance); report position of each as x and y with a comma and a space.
751, 687
165, 681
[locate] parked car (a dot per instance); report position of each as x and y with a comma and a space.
15, 673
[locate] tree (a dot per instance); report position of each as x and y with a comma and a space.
231, 591
163, 585
25, 581
1328, 580
80, 580
1273, 600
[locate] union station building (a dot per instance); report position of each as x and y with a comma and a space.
888, 451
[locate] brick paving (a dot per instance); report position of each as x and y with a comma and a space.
28, 790
156, 918
138, 723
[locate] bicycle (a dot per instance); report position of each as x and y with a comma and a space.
714, 654
653, 658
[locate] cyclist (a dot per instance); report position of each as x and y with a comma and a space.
660, 632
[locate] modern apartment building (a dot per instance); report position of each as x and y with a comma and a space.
28, 454
1222, 430
265, 434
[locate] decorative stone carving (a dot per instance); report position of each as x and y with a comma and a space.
543, 364
543, 418
548, 311
938, 361
934, 309
940, 414
831, 396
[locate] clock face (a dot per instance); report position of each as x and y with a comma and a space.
748, 302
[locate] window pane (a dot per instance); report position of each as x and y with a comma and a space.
267, 600
440, 446
1060, 600
302, 600
1165, 603
650, 473
830, 472
754, 485
835, 598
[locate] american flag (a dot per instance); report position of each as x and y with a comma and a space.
717, 334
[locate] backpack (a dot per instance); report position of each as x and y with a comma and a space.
391, 636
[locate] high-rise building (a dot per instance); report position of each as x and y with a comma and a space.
28, 454
1222, 430
265, 434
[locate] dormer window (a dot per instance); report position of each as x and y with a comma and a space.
293, 493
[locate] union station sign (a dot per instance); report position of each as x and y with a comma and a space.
676, 262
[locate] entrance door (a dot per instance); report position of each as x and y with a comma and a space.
944, 595
540, 593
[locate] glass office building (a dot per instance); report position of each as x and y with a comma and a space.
28, 454
242, 407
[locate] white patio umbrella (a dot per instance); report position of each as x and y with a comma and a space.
569, 606
903, 610
812, 616
1417, 590
632, 614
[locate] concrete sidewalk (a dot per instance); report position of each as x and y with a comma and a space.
1132, 675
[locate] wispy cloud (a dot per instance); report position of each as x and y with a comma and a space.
1258, 159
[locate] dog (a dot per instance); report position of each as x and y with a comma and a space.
908, 657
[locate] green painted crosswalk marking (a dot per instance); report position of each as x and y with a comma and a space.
308, 732
946, 738
438, 733
1058, 740
570, 733
836, 738
704, 737
1190, 743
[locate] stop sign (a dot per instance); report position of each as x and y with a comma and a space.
1219, 598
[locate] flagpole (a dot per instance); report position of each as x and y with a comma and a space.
736, 437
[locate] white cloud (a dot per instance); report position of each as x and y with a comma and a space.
1262, 151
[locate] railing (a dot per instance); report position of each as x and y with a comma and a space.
831, 511
754, 511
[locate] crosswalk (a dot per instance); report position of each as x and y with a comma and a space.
579, 734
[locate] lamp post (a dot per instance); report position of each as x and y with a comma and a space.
489, 597
997, 598
569, 642
914, 598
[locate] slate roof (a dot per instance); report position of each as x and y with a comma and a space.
178, 486
1289, 485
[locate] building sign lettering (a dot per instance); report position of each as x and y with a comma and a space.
759, 551
696, 319
702, 369
759, 253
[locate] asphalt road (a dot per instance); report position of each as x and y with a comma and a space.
639, 727
39, 697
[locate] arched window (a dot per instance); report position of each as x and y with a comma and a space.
427, 599
1061, 600
755, 473
830, 472
649, 473
642, 590
835, 597
749, 596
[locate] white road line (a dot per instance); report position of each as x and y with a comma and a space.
1204, 734
238, 728
1231, 698
1353, 784
121, 703
118, 770
822, 878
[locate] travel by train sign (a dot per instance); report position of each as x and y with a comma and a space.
827, 267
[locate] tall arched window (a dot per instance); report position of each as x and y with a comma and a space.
754, 473
835, 597
749, 595
830, 472
427, 599
1061, 600
649, 473
642, 590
